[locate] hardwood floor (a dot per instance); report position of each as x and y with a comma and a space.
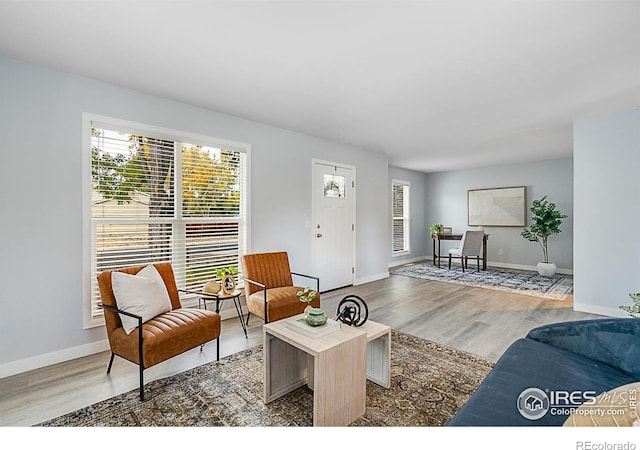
477, 320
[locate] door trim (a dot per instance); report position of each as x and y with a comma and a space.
315, 162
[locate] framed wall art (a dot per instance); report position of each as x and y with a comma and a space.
498, 207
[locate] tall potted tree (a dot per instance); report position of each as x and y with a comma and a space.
546, 222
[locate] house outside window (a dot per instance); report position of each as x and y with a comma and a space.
160, 195
400, 218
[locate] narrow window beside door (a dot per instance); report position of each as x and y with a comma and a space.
400, 218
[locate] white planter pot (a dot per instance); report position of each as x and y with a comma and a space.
546, 269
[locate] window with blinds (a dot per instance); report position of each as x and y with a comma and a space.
400, 217
158, 198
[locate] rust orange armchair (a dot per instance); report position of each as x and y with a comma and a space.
163, 336
269, 288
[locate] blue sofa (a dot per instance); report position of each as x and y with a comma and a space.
582, 358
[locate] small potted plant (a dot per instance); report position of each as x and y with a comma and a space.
313, 316
546, 222
435, 228
226, 275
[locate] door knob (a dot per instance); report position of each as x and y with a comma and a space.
319, 235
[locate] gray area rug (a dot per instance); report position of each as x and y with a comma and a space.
556, 287
429, 384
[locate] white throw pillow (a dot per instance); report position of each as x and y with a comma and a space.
143, 294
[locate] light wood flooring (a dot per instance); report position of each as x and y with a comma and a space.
480, 321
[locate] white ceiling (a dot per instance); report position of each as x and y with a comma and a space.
435, 85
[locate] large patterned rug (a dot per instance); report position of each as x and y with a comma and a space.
429, 384
556, 287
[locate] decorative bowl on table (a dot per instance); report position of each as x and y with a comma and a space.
316, 317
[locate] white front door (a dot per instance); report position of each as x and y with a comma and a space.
333, 225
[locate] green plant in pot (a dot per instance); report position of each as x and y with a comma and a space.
435, 228
224, 271
546, 221
214, 287
226, 275
313, 316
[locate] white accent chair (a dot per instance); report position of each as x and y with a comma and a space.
470, 247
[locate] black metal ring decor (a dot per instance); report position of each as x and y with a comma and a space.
352, 310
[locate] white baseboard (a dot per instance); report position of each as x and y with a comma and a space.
48, 359
525, 267
39, 361
600, 310
380, 276
408, 261
231, 313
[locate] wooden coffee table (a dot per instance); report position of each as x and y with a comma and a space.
378, 352
333, 366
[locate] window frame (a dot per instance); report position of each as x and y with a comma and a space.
406, 217
90, 120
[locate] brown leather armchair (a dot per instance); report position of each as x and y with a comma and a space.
163, 337
269, 288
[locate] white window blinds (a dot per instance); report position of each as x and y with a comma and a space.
156, 198
400, 217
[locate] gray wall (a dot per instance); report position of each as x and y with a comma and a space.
446, 200
41, 200
607, 216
